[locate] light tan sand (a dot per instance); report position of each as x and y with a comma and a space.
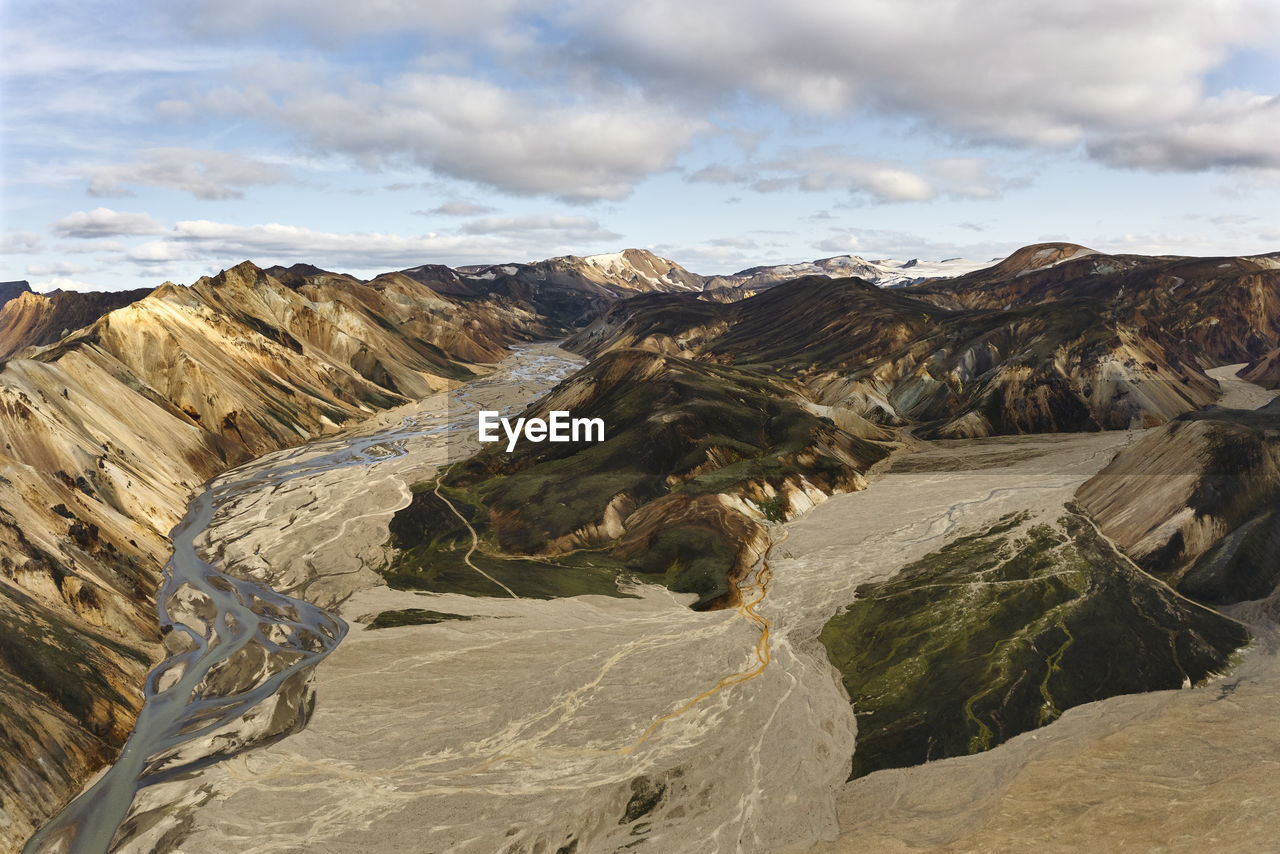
1238, 393
525, 728
530, 727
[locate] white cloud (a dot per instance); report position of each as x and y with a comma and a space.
874, 243
84, 247
1236, 129
829, 168
1195, 243
332, 22
57, 268
517, 142
1040, 71
271, 243
62, 283
458, 207
1125, 77
716, 173
734, 242
105, 222
17, 242
204, 174
717, 257
568, 226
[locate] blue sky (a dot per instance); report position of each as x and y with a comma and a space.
148, 141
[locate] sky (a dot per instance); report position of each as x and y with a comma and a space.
145, 141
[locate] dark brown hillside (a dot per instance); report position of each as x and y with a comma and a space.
1226, 309
34, 320
885, 355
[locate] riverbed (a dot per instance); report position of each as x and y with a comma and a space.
614, 723
601, 724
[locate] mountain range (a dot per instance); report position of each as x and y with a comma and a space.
734, 402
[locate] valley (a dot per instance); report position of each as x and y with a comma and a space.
611, 721
831, 535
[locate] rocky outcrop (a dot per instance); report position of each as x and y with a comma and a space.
1224, 310
883, 272
12, 290
1195, 502
1265, 370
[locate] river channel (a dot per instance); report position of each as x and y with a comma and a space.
243, 645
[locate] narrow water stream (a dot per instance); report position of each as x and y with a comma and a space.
248, 644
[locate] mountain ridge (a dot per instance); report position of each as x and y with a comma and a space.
104, 435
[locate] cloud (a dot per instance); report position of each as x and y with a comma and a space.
1039, 72
331, 22
209, 175
579, 227
827, 168
62, 283
458, 207
718, 256
518, 142
734, 242
269, 243
84, 247
1259, 241
716, 174
104, 222
16, 242
888, 243
1234, 130
57, 268
1127, 78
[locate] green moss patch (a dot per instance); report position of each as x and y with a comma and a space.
1000, 631
412, 617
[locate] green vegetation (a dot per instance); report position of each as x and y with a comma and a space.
411, 617
678, 432
1001, 631
436, 564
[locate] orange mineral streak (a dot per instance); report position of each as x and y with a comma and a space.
763, 657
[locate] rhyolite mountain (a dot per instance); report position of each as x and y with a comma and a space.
1197, 502
33, 320
573, 289
568, 290
105, 434
1005, 628
1225, 310
885, 272
890, 357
